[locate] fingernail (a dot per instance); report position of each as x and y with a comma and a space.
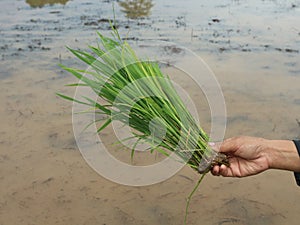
211, 144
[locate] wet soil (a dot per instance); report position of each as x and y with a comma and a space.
253, 48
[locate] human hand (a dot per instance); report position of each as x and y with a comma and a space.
246, 157
252, 155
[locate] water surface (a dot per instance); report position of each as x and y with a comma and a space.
253, 48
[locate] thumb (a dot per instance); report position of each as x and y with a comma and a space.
215, 146
228, 145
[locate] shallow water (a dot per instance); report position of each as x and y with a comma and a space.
253, 48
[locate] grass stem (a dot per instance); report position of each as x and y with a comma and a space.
190, 197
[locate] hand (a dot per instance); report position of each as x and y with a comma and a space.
246, 157
251, 155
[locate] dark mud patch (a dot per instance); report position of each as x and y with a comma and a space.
288, 50
237, 119
173, 49
59, 141
9, 71
102, 23
297, 101
294, 72
247, 212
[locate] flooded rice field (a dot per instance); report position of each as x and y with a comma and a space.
253, 48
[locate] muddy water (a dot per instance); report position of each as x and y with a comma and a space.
252, 47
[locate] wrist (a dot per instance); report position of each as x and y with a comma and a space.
282, 154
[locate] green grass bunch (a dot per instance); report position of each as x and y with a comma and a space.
137, 93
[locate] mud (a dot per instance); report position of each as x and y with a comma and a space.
253, 48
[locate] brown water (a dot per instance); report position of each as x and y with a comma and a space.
253, 48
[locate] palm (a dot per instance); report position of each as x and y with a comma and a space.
241, 167
245, 157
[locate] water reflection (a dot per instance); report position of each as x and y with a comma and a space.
136, 8
41, 3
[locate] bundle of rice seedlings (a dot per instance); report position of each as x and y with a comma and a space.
137, 93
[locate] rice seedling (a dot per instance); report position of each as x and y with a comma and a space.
139, 95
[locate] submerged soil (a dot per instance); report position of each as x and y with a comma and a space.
253, 48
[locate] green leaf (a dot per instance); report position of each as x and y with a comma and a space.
72, 99
108, 121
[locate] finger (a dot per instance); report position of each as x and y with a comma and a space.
215, 170
228, 145
225, 171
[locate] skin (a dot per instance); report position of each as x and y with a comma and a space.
252, 155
